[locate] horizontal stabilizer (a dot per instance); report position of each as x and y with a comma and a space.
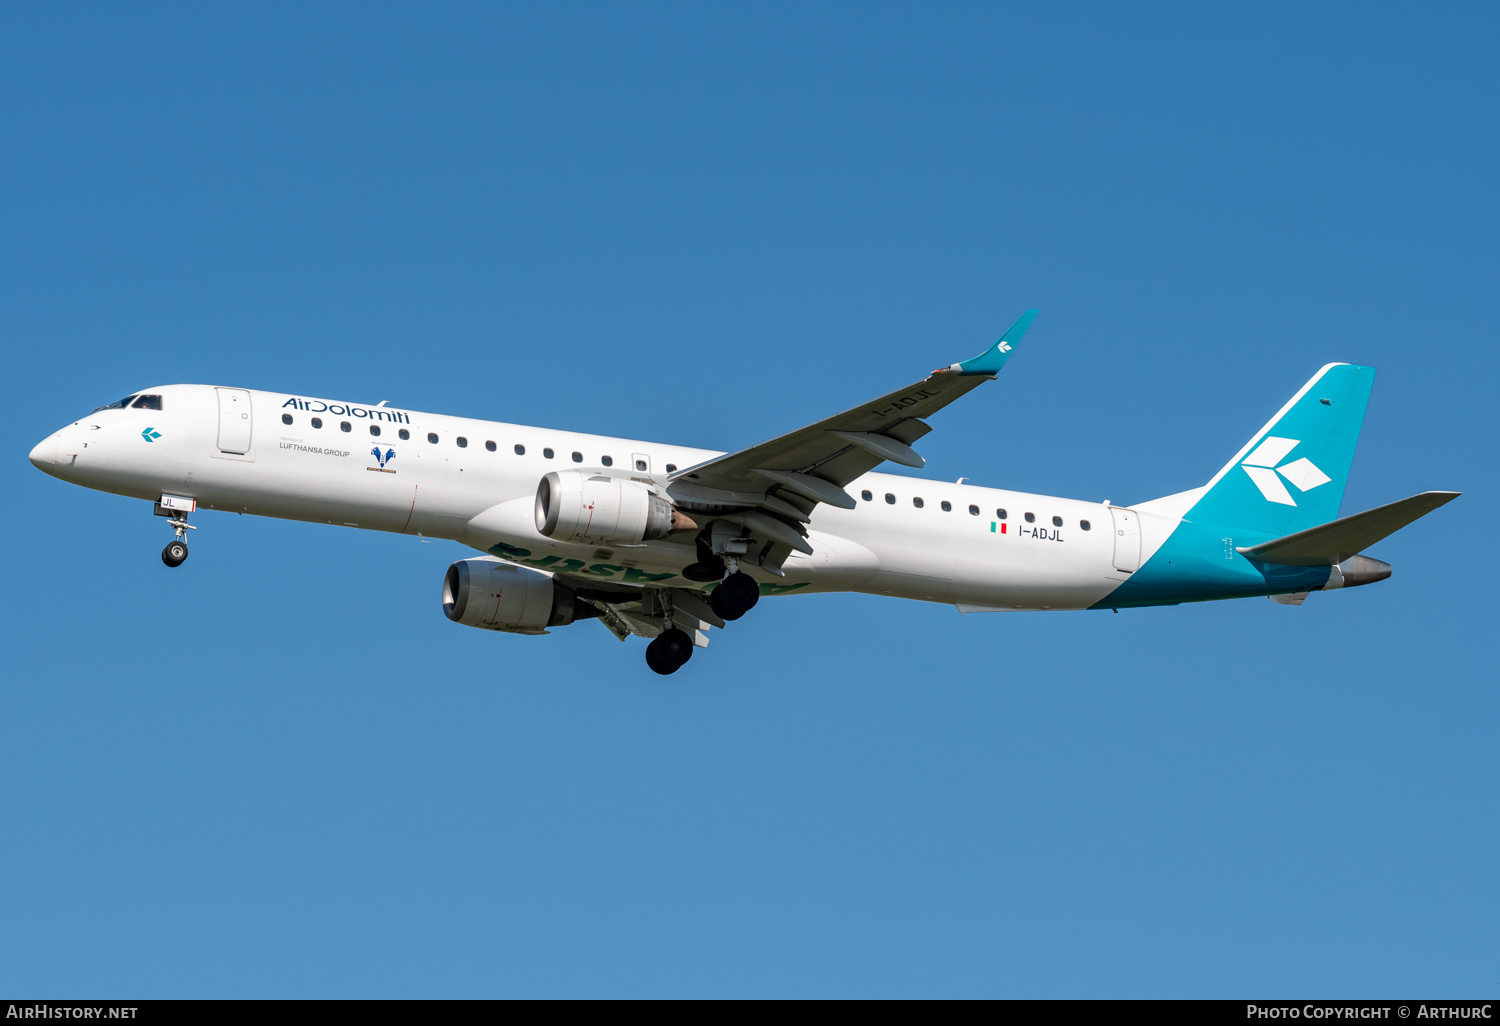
1332, 543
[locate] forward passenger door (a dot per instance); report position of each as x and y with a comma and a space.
235, 421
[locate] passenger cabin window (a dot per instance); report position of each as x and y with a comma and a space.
520, 450
890, 499
640, 464
1057, 521
116, 406
578, 457
375, 430
463, 443
317, 422
148, 402
404, 434
547, 454
671, 468
866, 495
344, 426
490, 446
608, 461
1085, 525
432, 437
973, 511
999, 514
917, 502
947, 506
286, 418
1031, 518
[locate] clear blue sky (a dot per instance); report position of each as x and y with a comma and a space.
280, 771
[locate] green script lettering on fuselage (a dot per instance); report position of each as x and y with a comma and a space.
631, 575
558, 565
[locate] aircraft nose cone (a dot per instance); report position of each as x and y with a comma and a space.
44, 456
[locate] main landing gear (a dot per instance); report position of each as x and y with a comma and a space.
669, 651
735, 596
178, 508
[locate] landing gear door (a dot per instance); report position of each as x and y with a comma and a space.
1127, 539
234, 420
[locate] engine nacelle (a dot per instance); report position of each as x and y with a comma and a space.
498, 596
593, 509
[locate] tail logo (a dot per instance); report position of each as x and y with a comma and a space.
1262, 467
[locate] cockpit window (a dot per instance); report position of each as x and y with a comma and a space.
116, 406
147, 402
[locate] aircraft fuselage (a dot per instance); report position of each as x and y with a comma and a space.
474, 481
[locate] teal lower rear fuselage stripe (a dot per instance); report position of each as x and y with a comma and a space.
1198, 563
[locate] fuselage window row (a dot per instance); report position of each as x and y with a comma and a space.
947, 506
153, 402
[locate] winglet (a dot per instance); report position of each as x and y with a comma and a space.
992, 359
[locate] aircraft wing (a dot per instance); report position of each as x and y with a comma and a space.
774, 486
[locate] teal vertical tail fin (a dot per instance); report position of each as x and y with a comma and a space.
1291, 475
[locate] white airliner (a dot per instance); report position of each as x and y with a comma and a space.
665, 541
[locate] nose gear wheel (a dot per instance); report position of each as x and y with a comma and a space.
176, 551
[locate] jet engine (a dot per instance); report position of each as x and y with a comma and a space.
593, 509
498, 596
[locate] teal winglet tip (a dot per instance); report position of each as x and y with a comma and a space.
992, 359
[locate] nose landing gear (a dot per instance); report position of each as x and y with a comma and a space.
177, 507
